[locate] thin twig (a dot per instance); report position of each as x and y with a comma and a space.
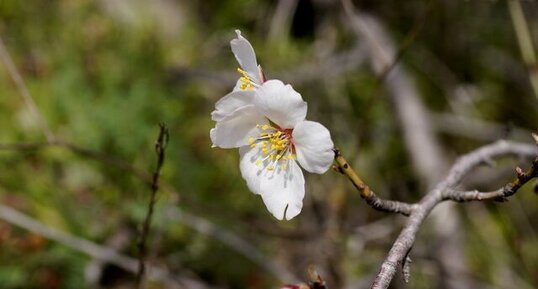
160, 148
499, 195
366, 193
25, 94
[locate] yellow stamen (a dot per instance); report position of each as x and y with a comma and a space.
245, 79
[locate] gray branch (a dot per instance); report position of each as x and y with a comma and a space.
459, 170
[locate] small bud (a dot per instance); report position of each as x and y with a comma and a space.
406, 269
520, 173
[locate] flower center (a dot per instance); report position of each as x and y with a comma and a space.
276, 146
245, 79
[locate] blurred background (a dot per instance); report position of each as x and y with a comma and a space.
404, 89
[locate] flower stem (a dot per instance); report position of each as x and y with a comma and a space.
366, 193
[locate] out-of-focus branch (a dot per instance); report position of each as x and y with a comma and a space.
459, 170
329, 67
197, 223
160, 149
23, 90
418, 134
366, 193
475, 128
99, 156
92, 249
525, 42
425, 150
238, 244
280, 23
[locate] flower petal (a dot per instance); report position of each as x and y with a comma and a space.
245, 55
282, 191
235, 129
280, 103
313, 146
231, 102
249, 170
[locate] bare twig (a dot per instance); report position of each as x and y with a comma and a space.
459, 170
366, 193
25, 94
501, 194
160, 149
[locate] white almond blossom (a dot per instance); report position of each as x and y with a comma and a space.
266, 121
274, 138
251, 73
251, 78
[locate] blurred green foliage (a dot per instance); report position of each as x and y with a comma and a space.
105, 73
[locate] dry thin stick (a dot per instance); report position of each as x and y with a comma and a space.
160, 148
26, 97
367, 194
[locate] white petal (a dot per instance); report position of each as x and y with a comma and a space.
231, 102
282, 191
244, 53
280, 103
313, 146
235, 129
249, 170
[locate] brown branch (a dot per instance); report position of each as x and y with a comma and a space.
160, 148
423, 208
367, 194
